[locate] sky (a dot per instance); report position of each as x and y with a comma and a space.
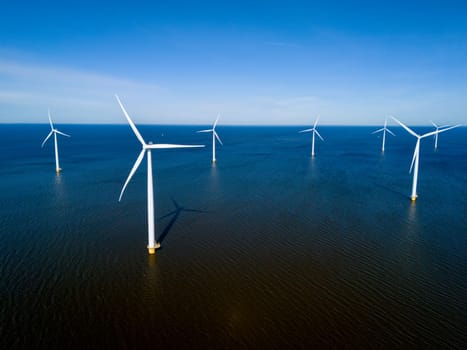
254, 62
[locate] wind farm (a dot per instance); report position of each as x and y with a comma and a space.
232, 179
53, 132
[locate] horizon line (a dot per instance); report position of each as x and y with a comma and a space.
227, 124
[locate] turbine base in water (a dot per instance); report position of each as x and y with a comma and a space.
413, 198
58, 170
152, 250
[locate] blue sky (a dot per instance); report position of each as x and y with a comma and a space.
263, 62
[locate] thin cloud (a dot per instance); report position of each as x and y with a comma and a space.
25, 90
32, 73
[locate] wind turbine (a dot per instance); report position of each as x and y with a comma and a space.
214, 137
384, 129
54, 132
416, 154
314, 131
147, 147
436, 136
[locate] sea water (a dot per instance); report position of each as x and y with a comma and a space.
268, 248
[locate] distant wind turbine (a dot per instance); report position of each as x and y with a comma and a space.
214, 137
147, 147
416, 154
436, 136
314, 131
54, 132
384, 129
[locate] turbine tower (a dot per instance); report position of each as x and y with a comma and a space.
214, 137
314, 131
416, 154
436, 136
54, 132
384, 129
147, 147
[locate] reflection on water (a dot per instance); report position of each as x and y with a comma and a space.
214, 177
58, 178
58, 184
60, 189
311, 166
412, 215
410, 244
152, 278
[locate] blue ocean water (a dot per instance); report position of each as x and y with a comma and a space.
269, 248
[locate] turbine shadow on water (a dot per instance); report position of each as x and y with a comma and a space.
399, 194
175, 214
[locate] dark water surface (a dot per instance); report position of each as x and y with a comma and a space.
268, 249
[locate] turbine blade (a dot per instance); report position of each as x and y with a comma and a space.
61, 133
436, 126
444, 126
439, 131
50, 121
385, 122
306, 130
218, 138
132, 172
389, 131
410, 131
167, 145
379, 130
317, 133
207, 130
316, 122
48, 136
215, 123
138, 135
417, 146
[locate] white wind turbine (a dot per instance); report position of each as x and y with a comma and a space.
384, 129
147, 147
214, 137
436, 136
54, 132
416, 154
314, 131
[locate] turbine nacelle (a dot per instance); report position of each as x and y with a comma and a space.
213, 130
146, 147
313, 129
439, 126
410, 131
52, 131
384, 128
